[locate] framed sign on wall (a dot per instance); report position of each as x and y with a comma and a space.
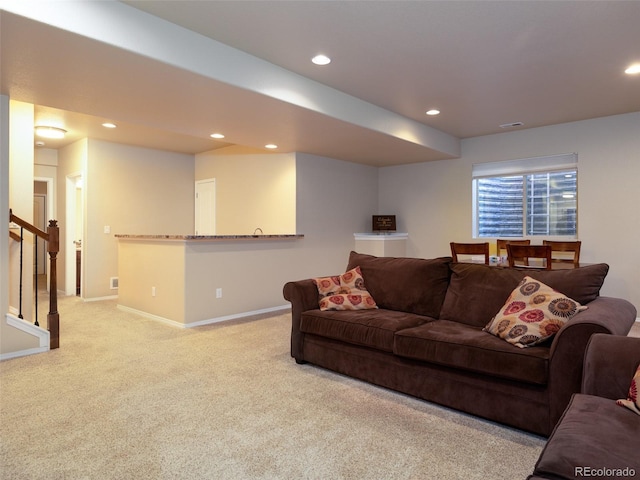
383, 223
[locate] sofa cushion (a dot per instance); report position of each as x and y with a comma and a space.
456, 345
632, 402
476, 292
372, 328
344, 292
413, 285
533, 313
593, 433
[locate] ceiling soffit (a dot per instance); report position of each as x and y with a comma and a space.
164, 78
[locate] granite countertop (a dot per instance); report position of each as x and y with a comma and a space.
210, 237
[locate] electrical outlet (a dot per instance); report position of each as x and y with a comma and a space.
218, 293
153, 291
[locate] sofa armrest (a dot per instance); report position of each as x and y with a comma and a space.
303, 295
613, 316
609, 365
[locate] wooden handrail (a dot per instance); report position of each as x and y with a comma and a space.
27, 226
52, 237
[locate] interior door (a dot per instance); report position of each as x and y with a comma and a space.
205, 203
40, 221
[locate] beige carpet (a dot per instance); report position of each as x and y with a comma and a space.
129, 398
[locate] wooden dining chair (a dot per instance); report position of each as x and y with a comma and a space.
565, 248
540, 252
470, 249
501, 246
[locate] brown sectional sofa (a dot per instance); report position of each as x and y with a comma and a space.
595, 437
426, 337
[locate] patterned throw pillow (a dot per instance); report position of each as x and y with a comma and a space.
344, 292
633, 400
533, 312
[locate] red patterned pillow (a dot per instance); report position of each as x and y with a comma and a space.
633, 400
344, 292
532, 313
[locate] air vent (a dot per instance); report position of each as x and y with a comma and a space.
511, 125
113, 283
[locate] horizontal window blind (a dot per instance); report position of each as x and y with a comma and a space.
566, 161
526, 197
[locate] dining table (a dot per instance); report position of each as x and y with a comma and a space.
503, 262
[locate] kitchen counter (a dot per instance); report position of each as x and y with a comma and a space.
210, 238
194, 280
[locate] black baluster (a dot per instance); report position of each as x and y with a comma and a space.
36, 281
21, 244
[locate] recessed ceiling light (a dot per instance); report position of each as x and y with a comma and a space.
321, 60
511, 125
50, 132
109, 125
433, 111
633, 69
217, 135
271, 146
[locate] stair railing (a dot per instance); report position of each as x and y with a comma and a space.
52, 237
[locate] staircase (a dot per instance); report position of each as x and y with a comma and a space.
51, 237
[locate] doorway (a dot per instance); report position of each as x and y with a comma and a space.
40, 221
205, 207
43, 202
74, 233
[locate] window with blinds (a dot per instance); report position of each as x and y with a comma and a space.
526, 197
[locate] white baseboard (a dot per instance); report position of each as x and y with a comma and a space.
41, 334
151, 316
201, 323
99, 299
23, 353
237, 316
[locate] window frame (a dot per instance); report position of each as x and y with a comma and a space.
523, 167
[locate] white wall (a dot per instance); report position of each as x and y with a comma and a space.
335, 199
16, 184
4, 208
72, 160
21, 202
434, 200
46, 167
131, 190
252, 190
